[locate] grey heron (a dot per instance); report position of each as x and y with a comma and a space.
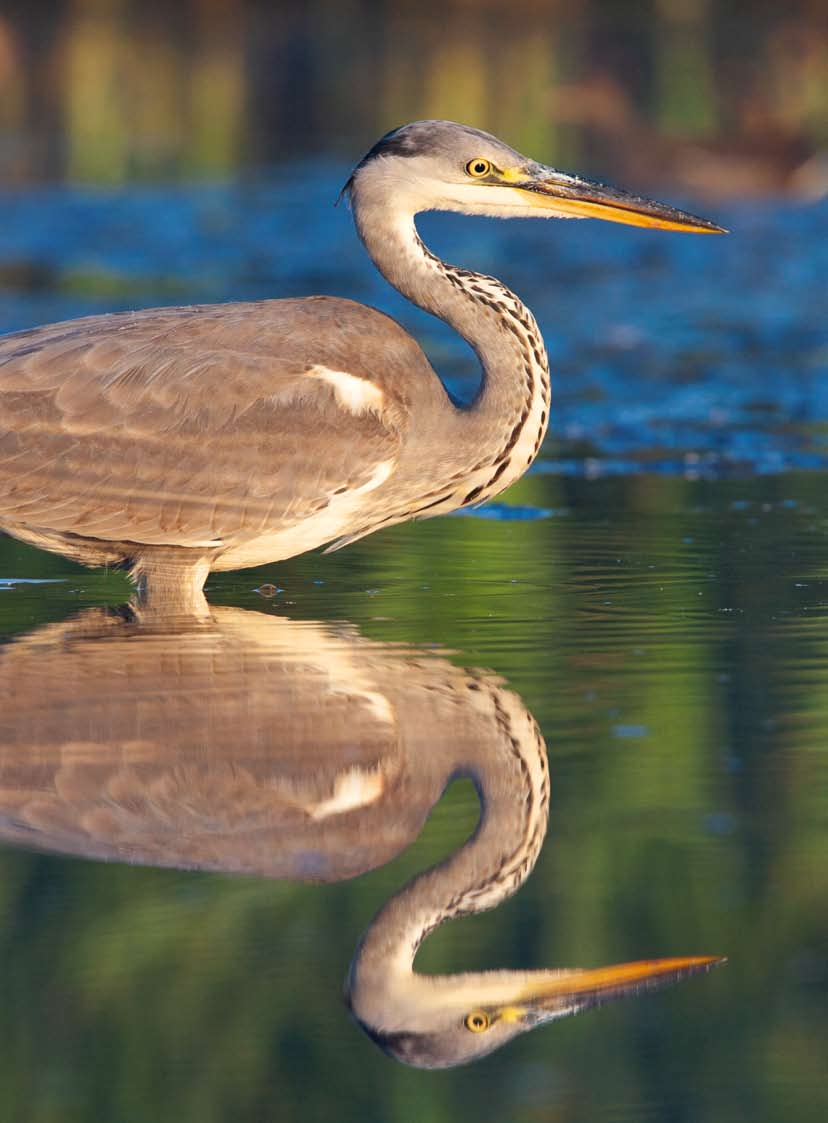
301, 750
177, 441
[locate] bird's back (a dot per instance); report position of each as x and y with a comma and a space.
202, 426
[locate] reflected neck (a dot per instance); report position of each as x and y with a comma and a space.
511, 777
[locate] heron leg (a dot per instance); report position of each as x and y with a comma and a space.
170, 583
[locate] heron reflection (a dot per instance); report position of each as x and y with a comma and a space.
255, 744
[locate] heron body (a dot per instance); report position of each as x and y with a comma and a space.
177, 441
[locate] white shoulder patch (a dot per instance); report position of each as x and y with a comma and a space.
355, 788
352, 392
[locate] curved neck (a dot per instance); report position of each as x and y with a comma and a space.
510, 772
505, 424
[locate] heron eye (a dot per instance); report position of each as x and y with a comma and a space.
478, 167
477, 1021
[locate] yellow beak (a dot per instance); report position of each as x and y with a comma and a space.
567, 992
573, 196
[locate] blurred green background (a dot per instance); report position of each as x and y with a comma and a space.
724, 97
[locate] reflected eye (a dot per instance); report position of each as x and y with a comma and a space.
477, 1021
477, 168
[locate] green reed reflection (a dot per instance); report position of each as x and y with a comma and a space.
108, 92
688, 813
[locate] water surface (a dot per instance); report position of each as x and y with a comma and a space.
668, 636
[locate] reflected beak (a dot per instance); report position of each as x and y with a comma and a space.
570, 991
574, 197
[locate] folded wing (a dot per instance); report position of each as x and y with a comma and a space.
198, 426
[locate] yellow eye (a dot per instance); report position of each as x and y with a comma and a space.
478, 168
477, 1021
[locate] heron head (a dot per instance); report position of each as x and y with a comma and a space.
438, 165
444, 1021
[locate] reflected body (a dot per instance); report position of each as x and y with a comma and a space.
259, 745
178, 441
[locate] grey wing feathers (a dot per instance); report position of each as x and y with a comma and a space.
191, 426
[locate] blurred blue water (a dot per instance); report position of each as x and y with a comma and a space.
670, 353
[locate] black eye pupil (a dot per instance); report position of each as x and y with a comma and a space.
479, 168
